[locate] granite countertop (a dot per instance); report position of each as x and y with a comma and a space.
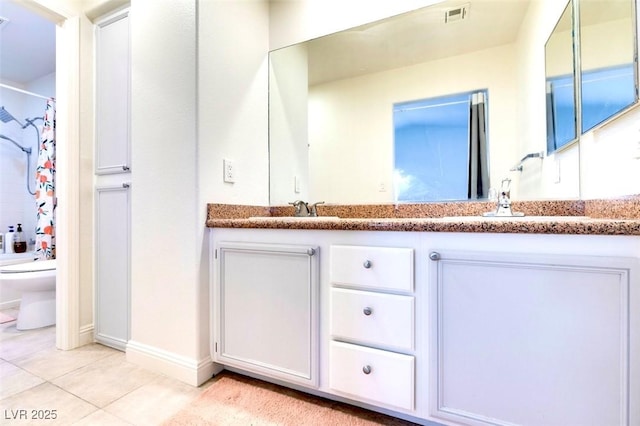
592, 217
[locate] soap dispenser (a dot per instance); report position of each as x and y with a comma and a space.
8, 240
19, 242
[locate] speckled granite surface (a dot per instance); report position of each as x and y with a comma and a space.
619, 216
619, 208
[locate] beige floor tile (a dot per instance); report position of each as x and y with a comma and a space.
101, 418
45, 400
14, 380
8, 329
155, 402
8, 325
26, 342
105, 380
52, 363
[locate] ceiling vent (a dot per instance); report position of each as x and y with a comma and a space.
456, 14
3, 22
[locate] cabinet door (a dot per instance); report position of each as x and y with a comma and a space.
112, 95
112, 262
265, 302
539, 340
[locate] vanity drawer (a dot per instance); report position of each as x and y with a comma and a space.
388, 268
372, 318
372, 374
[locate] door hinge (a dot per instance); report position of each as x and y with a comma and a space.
216, 350
215, 254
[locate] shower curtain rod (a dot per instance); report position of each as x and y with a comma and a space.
6, 86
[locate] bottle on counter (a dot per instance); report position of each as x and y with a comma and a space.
8, 240
19, 241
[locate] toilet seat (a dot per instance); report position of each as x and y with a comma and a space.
36, 266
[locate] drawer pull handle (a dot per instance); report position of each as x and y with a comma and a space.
367, 264
366, 369
367, 311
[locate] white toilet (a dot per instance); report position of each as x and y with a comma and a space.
37, 283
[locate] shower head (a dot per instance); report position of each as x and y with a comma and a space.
5, 116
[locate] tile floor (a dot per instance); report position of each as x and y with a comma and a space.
91, 385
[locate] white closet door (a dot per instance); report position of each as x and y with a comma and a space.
112, 95
112, 266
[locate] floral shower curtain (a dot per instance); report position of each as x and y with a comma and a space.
45, 187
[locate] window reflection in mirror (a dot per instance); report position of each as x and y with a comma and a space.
607, 50
559, 71
440, 148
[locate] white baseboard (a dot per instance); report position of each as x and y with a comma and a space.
188, 370
86, 335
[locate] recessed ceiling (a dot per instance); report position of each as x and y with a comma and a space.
27, 44
418, 36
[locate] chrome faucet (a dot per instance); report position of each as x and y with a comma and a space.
313, 209
504, 204
504, 201
304, 209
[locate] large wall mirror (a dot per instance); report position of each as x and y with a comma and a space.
332, 99
607, 77
560, 82
607, 60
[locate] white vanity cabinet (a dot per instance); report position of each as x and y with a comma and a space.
449, 328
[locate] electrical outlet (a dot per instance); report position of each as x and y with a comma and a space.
382, 187
229, 170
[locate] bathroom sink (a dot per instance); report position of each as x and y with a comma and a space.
299, 218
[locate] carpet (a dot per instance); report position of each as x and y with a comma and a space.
233, 399
4, 318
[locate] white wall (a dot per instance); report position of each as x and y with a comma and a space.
232, 100
164, 219
200, 98
351, 170
232, 120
